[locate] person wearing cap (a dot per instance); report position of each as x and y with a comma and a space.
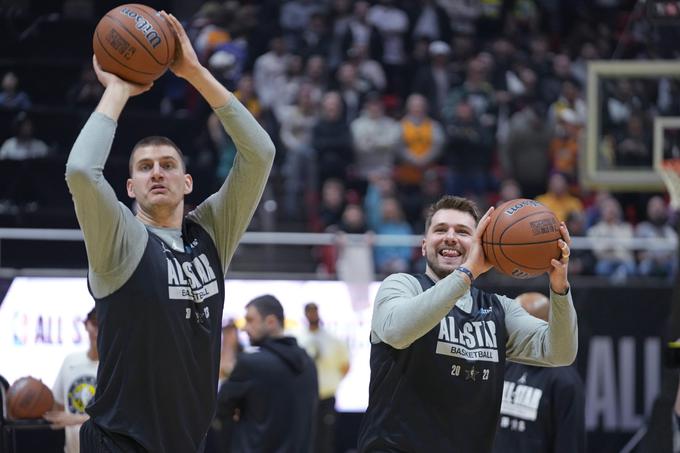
74, 388
543, 409
433, 81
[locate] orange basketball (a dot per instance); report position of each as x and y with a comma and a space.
28, 398
521, 238
134, 42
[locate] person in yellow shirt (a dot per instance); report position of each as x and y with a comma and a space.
558, 199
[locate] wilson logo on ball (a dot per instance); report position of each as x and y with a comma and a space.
513, 209
144, 26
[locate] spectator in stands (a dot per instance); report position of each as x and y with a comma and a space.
581, 261
273, 390
565, 145
352, 89
315, 39
551, 83
570, 98
422, 139
435, 79
509, 190
633, 145
380, 187
524, 156
475, 90
23, 145
340, 15
295, 19
74, 388
354, 259
428, 20
332, 140
558, 199
468, 152
87, 90
316, 76
212, 21
393, 25
579, 67
614, 259
10, 96
360, 31
331, 357
390, 259
376, 138
657, 263
332, 203
269, 72
367, 69
297, 122
294, 77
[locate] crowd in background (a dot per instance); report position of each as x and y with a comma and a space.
379, 107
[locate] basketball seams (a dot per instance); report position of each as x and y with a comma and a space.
103, 47
493, 248
160, 26
124, 27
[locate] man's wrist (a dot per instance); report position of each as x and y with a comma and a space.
467, 272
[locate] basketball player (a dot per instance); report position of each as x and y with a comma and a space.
543, 409
438, 345
158, 276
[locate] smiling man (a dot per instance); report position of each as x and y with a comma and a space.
157, 276
439, 345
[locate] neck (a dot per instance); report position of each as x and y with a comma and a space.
314, 327
162, 219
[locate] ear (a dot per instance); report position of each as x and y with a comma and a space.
422, 248
130, 189
188, 184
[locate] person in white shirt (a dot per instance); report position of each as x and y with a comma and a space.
74, 388
331, 356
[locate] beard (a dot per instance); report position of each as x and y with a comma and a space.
441, 271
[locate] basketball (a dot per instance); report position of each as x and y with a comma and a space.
521, 238
134, 42
28, 398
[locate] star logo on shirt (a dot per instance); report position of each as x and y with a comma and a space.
471, 374
523, 379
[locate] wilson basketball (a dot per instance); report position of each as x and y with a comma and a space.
134, 42
521, 238
28, 397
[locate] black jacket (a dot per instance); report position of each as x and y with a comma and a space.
274, 392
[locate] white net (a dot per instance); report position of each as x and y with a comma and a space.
670, 173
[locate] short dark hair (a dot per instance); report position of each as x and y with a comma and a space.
311, 306
156, 140
268, 305
451, 202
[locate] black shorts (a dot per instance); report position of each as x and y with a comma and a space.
93, 439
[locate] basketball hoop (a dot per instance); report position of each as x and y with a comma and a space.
670, 173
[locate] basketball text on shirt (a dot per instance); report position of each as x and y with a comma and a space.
473, 340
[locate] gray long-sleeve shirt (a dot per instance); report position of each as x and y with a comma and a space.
403, 313
115, 239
